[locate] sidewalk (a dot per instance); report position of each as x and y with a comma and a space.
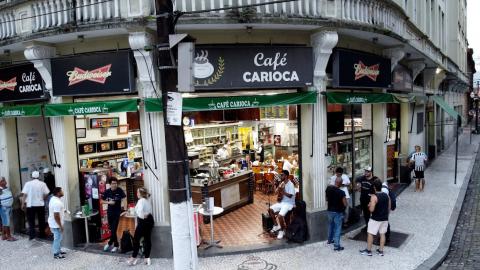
423, 216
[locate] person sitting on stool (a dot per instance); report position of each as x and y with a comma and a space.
287, 190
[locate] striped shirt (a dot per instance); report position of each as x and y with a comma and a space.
419, 158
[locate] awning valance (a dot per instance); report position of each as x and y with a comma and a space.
441, 102
21, 111
360, 98
236, 102
85, 108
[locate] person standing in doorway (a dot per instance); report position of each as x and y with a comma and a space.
261, 151
339, 172
419, 159
49, 179
56, 211
365, 185
33, 197
379, 207
113, 197
145, 222
337, 202
6, 202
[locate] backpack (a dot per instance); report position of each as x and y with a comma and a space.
393, 199
126, 243
297, 231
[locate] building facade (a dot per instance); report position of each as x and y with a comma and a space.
406, 62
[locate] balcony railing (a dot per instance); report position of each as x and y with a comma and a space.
36, 16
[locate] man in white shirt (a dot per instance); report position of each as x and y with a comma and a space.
286, 190
344, 188
34, 194
56, 211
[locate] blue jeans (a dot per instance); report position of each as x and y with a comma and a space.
335, 221
5, 215
57, 239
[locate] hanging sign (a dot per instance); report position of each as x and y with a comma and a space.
355, 69
21, 111
21, 82
85, 108
217, 68
174, 109
93, 74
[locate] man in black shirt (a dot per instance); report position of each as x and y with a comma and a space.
113, 197
379, 207
337, 203
364, 184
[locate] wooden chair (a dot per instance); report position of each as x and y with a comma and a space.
269, 182
259, 182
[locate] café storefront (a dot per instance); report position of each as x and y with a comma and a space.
105, 123
242, 128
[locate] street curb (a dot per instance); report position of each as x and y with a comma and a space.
441, 252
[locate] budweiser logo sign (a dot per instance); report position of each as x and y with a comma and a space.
98, 75
361, 70
8, 85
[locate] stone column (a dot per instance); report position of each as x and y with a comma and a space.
379, 113
314, 137
153, 140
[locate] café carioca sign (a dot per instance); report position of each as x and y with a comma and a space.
217, 68
21, 82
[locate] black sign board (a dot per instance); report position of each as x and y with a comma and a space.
402, 79
21, 82
93, 74
257, 67
355, 69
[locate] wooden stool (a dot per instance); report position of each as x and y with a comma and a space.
258, 180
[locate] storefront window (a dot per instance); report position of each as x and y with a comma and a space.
109, 145
339, 119
237, 156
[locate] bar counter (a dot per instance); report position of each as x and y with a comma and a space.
230, 194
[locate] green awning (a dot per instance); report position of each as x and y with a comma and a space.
85, 108
360, 98
441, 102
236, 102
21, 111
153, 104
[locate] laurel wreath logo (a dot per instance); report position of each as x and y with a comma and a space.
218, 75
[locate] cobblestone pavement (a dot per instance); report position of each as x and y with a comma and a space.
464, 250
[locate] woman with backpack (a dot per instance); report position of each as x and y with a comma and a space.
143, 211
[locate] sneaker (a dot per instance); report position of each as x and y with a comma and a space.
329, 242
275, 228
147, 261
338, 249
58, 256
106, 247
366, 252
63, 252
114, 249
280, 234
379, 252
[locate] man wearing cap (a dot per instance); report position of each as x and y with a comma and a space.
365, 185
34, 194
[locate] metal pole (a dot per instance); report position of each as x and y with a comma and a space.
456, 150
353, 153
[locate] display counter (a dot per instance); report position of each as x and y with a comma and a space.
229, 194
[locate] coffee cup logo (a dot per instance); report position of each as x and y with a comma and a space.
202, 66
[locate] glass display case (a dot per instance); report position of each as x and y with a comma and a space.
339, 151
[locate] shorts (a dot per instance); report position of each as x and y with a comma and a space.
419, 174
281, 208
5, 215
375, 227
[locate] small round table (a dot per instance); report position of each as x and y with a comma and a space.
86, 217
216, 211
